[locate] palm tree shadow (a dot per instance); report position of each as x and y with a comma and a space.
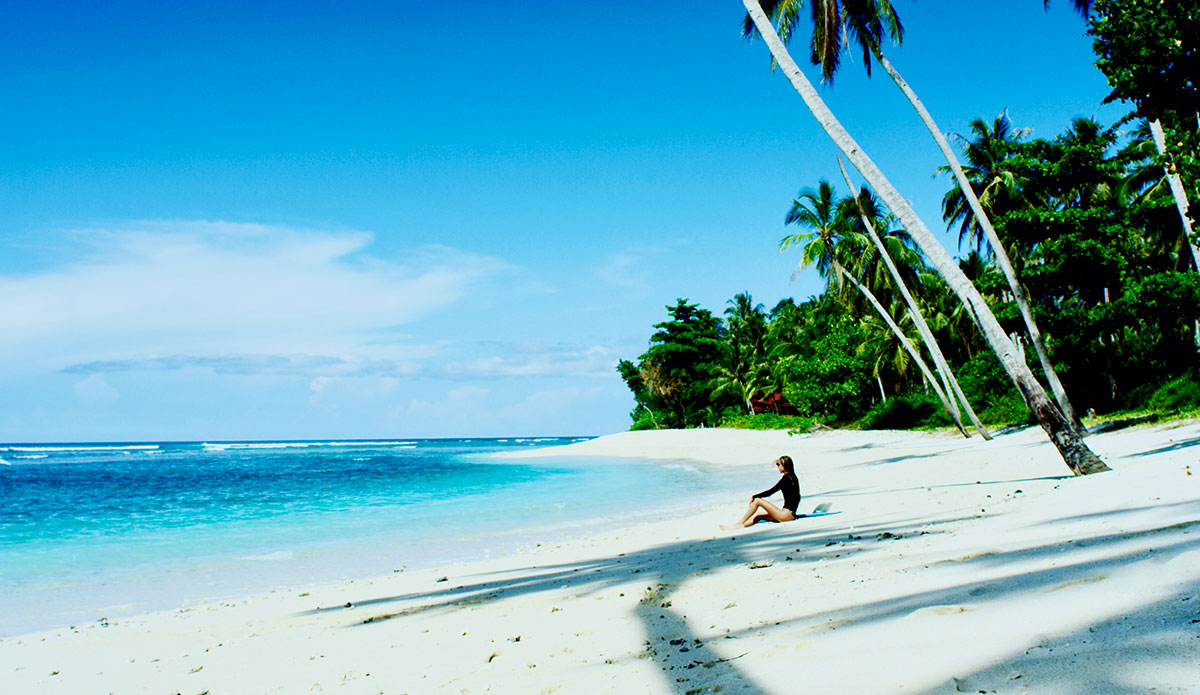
1174, 446
688, 656
855, 492
1104, 656
1059, 575
684, 657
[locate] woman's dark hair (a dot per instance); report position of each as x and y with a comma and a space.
789, 468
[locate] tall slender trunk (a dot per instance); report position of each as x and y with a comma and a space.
1177, 190
882, 393
935, 351
1075, 453
887, 318
1181, 203
1039, 343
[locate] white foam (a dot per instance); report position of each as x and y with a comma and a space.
131, 447
4, 463
32, 456
270, 557
304, 445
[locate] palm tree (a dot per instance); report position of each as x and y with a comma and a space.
862, 208
1061, 431
739, 380
747, 371
747, 325
1147, 180
815, 210
865, 22
1091, 186
914, 310
828, 247
908, 347
999, 187
887, 353
956, 318
1177, 191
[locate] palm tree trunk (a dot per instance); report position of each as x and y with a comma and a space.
882, 393
887, 318
935, 351
1039, 343
1177, 190
1181, 202
1075, 453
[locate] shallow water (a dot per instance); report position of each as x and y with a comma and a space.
103, 530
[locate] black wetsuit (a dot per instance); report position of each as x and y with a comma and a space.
790, 487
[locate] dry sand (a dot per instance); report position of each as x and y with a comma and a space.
955, 566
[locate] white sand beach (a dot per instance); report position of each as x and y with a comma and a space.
954, 566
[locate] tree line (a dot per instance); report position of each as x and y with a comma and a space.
1079, 293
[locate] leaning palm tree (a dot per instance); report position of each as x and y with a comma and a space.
1176, 184
1146, 180
828, 247
905, 343
1061, 431
915, 311
862, 207
865, 22
1150, 135
883, 348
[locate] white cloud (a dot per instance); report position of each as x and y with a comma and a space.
634, 267
279, 365
94, 390
625, 270
524, 360
242, 292
478, 412
464, 403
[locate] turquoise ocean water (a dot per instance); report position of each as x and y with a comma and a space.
90, 531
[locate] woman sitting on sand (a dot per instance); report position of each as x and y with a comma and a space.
789, 485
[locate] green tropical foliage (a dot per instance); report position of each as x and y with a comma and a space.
1087, 219
1107, 274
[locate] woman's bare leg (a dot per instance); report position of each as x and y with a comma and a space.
770, 513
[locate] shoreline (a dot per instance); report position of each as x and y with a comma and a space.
955, 564
35, 602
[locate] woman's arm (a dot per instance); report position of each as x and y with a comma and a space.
768, 493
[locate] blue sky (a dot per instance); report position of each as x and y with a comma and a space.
356, 219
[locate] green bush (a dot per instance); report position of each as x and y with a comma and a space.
770, 421
991, 393
908, 411
643, 421
834, 382
1181, 393
1006, 410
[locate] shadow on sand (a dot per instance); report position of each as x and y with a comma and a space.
691, 664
